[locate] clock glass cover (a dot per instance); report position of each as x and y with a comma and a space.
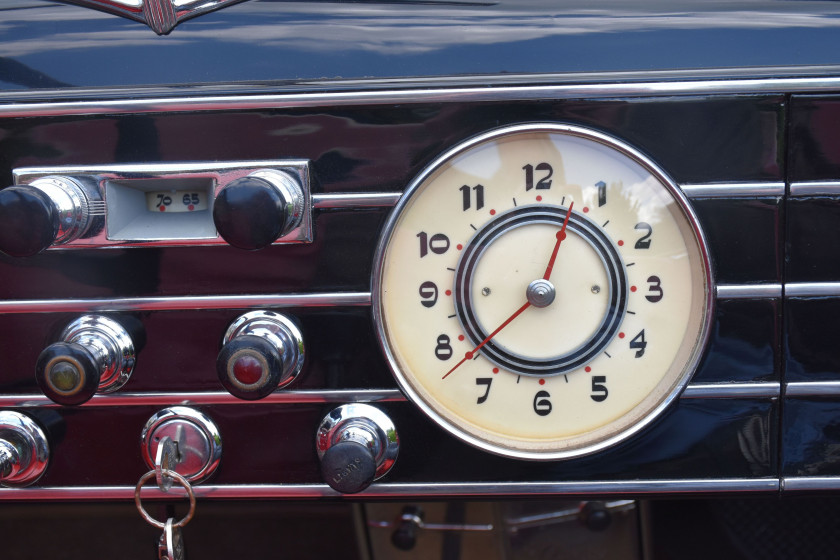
542, 291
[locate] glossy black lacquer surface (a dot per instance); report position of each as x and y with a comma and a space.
274, 444
381, 148
812, 353
814, 136
811, 437
270, 40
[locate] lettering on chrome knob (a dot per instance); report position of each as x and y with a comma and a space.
357, 444
94, 354
262, 351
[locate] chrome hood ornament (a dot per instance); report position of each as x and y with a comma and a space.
161, 15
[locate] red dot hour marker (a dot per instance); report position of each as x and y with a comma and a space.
459, 246
632, 288
460, 337
620, 243
163, 208
588, 369
492, 212
539, 199
542, 381
621, 335
449, 292
190, 207
495, 370
585, 209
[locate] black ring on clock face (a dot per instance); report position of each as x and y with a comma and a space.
577, 225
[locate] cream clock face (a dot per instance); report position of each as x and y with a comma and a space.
542, 291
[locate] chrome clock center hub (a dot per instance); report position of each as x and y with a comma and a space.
540, 293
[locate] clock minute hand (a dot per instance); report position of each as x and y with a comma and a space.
561, 235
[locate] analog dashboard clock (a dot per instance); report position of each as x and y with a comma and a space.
542, 291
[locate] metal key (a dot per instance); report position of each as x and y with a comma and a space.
171, 545
167, 458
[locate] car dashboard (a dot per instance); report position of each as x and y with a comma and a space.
201, 245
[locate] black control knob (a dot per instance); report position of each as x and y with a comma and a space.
28, 221
348, 467
357, 444
94, 354
262, 351
50, 210
254, 211
405, 535
595, 516
67, 373
249, 367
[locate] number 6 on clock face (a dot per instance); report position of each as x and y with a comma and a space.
542, 291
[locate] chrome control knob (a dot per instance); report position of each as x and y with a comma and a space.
254, 211
94, 354
49, 211
24, 451
262, 351
357, 444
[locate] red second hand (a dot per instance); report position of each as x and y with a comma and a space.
561, 235
469, 355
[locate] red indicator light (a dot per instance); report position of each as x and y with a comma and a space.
247, 370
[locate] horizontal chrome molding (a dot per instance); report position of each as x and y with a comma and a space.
314, 396
733, 190
349, 201
815, 188
426, 95
812, 389
393, 490
812, 289
181, 303
749, 291
733, 390
810, 483
317, 396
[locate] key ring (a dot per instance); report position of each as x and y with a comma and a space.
177, 478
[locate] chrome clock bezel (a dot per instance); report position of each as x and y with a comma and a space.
609, 142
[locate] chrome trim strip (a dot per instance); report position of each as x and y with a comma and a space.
749, 291
336, 299
181, 303
213, 397
810, 483
320, 396
771, 389
349, 201
733, 190
812, 289
425, 95
425, 489
812, 389
815, 188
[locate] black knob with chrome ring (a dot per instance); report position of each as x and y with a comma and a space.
51, 210
254, 211
94, 354
262, 351
357, 444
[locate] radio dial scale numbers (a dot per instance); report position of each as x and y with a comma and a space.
542, 291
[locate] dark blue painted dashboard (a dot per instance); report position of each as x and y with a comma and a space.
717, 93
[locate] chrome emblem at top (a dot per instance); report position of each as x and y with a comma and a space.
161, 15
